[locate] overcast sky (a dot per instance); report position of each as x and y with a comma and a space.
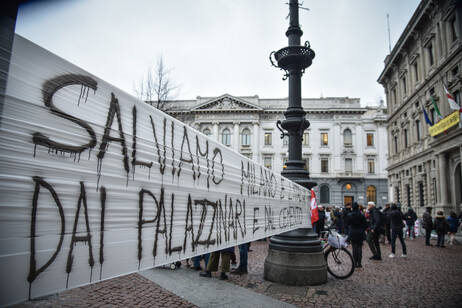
222, 46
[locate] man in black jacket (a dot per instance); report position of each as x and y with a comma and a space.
396, 218
375, 227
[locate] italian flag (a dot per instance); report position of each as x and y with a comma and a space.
436, 108
452, 102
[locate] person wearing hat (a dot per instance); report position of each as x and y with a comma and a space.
427, 224
357, 234
375, 226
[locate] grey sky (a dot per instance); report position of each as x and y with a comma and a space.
222, 46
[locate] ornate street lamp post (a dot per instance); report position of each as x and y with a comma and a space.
295, 257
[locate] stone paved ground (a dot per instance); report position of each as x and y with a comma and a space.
429, 277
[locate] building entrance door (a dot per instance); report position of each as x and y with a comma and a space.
347, 199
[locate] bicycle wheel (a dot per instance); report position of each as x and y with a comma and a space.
340, 263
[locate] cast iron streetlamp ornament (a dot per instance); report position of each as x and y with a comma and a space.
295, 257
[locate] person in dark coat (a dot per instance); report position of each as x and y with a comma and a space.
345, 213
453, 226
386, 224
356, 232
339, 219
319, 224
396, 218
410, 218
427, 224
373, 236
441, 227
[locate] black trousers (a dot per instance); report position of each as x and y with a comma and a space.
357, 251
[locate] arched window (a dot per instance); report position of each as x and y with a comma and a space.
245, 140
347, 139
371, 194
324, 194
226, 137
207, 132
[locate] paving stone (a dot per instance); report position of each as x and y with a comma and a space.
429, 277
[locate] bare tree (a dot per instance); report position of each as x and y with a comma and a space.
156, 86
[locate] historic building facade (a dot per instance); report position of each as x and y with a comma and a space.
425, 170
345, 147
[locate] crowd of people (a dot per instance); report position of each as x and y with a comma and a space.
372, 224
377, 225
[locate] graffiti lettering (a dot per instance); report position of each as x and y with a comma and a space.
290, 216
48, 90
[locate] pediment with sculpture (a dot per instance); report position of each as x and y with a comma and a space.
227, 103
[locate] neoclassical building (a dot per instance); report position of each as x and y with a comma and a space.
425, 170
345, 147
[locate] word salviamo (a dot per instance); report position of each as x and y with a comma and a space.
96, 184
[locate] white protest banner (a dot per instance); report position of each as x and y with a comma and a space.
96, 184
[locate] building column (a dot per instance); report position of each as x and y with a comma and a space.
256, 143
215, 133
236, 137
443, 197
428, 189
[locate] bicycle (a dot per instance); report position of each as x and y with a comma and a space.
340, 262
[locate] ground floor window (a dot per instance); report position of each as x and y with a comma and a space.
324, 194
371, 194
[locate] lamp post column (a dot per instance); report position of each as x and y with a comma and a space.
295, 257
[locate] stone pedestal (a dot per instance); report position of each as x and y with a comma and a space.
295, 258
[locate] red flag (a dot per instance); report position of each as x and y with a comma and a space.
452, 102
314, 208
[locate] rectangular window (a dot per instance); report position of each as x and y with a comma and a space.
370, 166
404, 85
324, 139
245, 139
421, 193
324, 165
430, 54
268, 138
456, 96
370, 139
268, 162
416, 71
405, 138
417, 129
433, 115
395, 101
396, 144
285, 140
453, 26
306, 139
348, 165
398, 196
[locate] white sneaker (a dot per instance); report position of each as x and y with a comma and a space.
403, 256
392, 255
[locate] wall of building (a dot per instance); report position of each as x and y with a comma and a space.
424, 170
331, 116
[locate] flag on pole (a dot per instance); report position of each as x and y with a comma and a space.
452, 102
436, 108
427, 120
314, 208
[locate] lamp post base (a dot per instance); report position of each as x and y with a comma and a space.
296, 258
